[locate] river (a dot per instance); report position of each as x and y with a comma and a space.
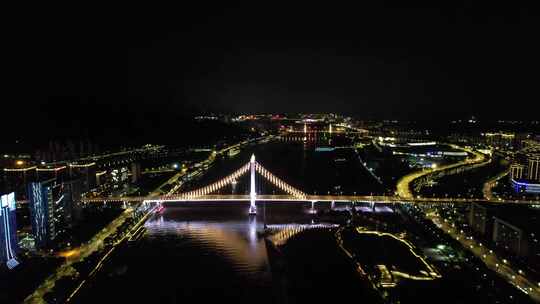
201, 252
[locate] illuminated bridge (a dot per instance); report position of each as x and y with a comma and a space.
292, 194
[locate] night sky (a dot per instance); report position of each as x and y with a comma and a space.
97, 69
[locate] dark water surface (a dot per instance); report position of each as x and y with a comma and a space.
197, 253
300, 165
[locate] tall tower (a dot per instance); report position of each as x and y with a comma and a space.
252, 194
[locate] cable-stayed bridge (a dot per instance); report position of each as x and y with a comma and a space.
291, 194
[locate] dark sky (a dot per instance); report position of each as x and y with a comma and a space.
95, 69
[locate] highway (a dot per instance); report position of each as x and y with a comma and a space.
492, 182
514, 276
368, 169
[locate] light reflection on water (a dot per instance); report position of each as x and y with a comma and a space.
237, 241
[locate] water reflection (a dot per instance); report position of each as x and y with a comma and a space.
234, 240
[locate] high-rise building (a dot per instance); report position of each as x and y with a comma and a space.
49, 213
479, 219
499, 139
101, 178
533, 167
512, 229
86, 173
516, 171
72, 194
8, 231
59, 173
18, 177
135, 172
508, 236
525, 172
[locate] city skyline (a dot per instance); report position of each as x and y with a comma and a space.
376, 62
269, 153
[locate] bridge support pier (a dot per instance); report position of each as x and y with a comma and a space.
252, 207
312, 210
333, 205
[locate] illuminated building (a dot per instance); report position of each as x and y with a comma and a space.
512, 229
135, 172
8, 231
49, 213
525, 187
525, 173
119, 176
478, 219
516, 171
534, 168
72, 195
101, 178
499, 139
508, 236
86, 172
18, 177
59, 173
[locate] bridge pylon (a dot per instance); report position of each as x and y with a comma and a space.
252, 193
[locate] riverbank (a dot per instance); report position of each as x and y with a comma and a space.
125, 234
404, 189
79, 254
79, 263
318, 273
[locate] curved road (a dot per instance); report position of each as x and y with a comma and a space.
403, 188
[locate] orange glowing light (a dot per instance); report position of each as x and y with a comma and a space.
69, 253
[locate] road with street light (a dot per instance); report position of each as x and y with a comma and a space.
76, 255
516, 277
403, 188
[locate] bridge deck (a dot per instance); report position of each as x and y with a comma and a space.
307, 198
